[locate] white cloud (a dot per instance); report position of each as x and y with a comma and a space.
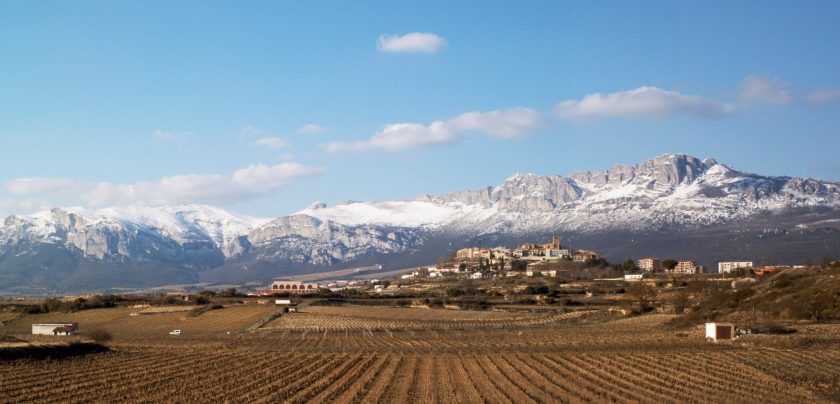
19, 206
400, 136
760, 89
246, 183
506, 123
823, 96
272, 142
311, 128
414, 42
642, 102
249, 131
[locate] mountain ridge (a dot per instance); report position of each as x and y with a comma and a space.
670, 194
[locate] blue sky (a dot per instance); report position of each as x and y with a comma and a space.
106, 103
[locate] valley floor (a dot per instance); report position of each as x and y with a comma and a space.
377, 354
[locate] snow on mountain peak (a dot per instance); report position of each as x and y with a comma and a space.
628, 196
182, 223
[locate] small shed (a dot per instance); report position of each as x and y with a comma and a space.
720, 331
55, 329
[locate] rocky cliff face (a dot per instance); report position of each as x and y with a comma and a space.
305, 239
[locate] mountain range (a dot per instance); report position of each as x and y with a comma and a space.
671, 206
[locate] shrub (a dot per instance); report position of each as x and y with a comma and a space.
100, 336
536, 290
454, 292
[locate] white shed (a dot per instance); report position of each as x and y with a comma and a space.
55, 329
720, 331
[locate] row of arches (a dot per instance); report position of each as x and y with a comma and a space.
291, 287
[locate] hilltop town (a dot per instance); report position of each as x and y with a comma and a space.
552, 259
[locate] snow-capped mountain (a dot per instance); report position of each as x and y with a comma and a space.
669, 191
118, 233
673, 204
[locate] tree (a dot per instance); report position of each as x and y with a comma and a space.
230, 292
518, 265
669, 264
629, 266
681, 302
641, 293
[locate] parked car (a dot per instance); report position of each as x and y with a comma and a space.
175, 332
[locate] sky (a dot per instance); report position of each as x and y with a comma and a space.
266, 107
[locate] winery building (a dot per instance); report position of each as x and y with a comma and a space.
291, 287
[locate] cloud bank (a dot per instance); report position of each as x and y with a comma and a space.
823, 96
642, 102
272, 142
415, 42
311, 128
761, 89
247, 183
506, 123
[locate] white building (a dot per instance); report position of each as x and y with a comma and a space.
720, 331
729, 266
55, 329
533, 272
650, 264
687, 268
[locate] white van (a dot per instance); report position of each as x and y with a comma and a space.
175, 332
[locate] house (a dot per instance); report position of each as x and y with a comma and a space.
769, 269
720, 331
585, 255
557, 253
650, 264
729, 266
534, 272
633, 277
55, 329
687, 268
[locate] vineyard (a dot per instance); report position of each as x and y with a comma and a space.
384, 354
380, 318
196, 375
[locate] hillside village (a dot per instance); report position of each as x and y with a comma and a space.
529, 260
552, 259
